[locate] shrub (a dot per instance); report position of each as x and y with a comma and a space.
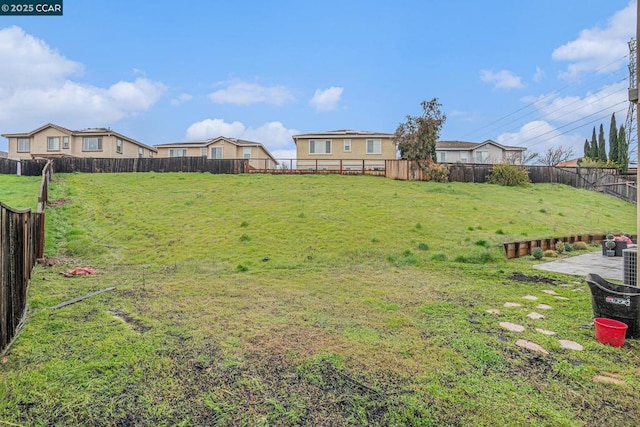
580, 246
537, 253
423, 246
244, 224
508, 175
245, 238
568, 247
483, 243
438, 173
559, 247
550, 253
439, 257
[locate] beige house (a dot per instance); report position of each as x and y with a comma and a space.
221, 148
51, 141
487, 152
344, 150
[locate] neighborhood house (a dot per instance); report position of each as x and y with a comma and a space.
344, 150
487, 152
50, 141
221, 148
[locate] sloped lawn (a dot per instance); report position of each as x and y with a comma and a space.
19, 191
311, 300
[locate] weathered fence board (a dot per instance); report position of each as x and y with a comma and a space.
169, 164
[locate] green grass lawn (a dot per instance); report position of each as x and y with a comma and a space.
19, 191
310, 300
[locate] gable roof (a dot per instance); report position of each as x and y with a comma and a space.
82, 132
211, 141
466, 146
344, 133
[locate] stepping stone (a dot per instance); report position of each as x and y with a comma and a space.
512, 326
535, 316
545, 332
531, 346
571, 345
512, 304
562, 298
550, 292
493, 311
530, 297
543, 307
608, 380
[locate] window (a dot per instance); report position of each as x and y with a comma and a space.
482, 157
347, 145
216, 152
442, 157
23, 145
92, 143
65, 142
322, 146
141, 152
53, 143
374, 146
118, 146
150, 154
178, 152
463, 158
246, 152
203, 151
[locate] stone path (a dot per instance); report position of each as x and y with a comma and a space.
530, 345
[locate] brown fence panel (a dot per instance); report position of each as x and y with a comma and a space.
169, 164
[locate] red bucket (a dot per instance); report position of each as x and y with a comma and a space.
609, 331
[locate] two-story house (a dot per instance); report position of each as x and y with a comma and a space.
487, 152
344, 150
50, 141
221, 148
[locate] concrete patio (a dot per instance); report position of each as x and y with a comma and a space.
607, 267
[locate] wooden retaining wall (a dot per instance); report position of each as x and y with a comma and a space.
525, 247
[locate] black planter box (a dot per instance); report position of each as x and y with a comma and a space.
618, 249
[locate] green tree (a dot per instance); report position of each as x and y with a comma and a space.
587, 148
602, 149
623, 150
613, 139
593, 153
416, 137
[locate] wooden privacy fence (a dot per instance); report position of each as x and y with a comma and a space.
21, 245
595, 179
169, 164
525, 247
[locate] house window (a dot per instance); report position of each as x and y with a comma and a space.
53, 143
92, 143
246, 152
463, 158
374, 146
317, 146
482, 157
150, 154
347, 145
118, 146
65, 142
442, 158
203, 151
140, 152
23, 145
178, 152
216, 152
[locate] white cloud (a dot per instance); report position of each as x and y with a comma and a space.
596, 48
183, 97
568, 109
327, 99
36, 88
274, 135
243, 93
537, 77
503, 79
540, 135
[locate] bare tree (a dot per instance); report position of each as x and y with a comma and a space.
521, 158
555, 155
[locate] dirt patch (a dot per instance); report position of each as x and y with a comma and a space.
57, 203
533, 279
135, 324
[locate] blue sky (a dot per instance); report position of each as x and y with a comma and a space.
531, 73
